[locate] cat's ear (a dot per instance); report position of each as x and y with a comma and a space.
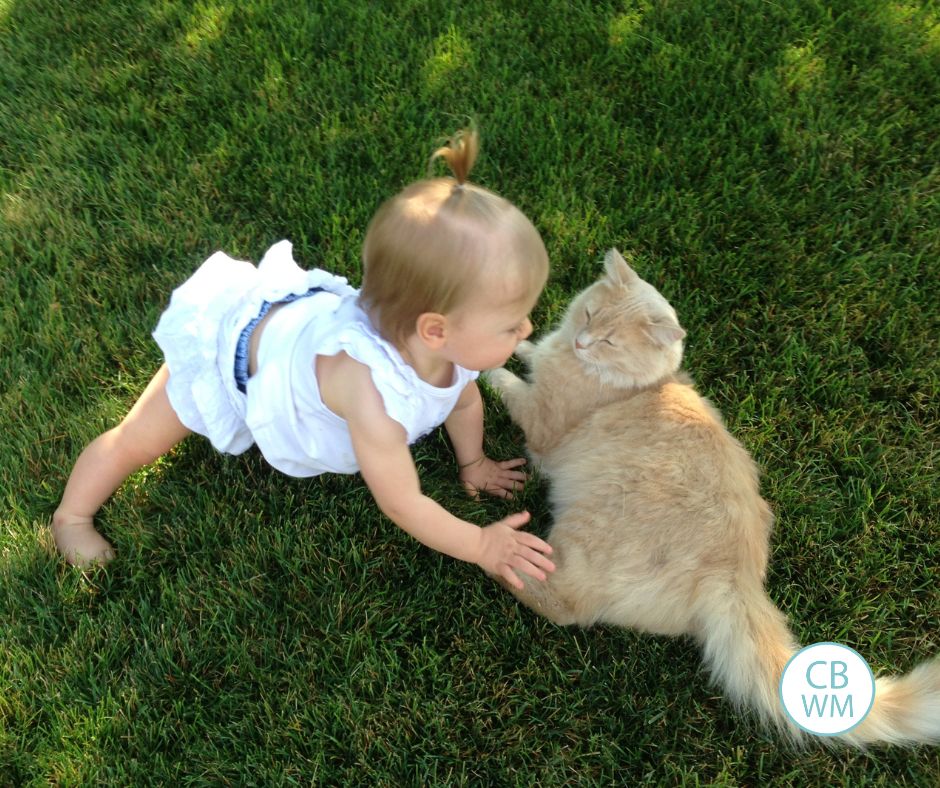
618, 270
663, 331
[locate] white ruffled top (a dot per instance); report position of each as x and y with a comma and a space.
293, 428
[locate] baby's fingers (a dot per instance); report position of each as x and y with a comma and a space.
528, 567
505, 486
513, 477
517, 520
512, 578
538, 560
510, 464
533, 542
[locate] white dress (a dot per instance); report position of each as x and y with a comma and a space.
281, 410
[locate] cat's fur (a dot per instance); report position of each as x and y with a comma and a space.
659, 522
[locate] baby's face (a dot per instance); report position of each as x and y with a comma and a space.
485, 330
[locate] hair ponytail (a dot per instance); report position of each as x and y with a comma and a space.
428, 248
460, 153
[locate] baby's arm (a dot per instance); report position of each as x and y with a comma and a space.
381, 447
477, 471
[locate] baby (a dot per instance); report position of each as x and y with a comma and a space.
323, 377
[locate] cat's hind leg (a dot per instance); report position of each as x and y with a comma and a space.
546, 597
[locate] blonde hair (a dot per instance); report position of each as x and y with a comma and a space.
428, 248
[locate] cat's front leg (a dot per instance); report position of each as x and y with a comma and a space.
503, 381
513, 391
524, 350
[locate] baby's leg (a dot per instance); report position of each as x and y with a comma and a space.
148, 431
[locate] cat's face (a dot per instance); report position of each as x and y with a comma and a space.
623, 330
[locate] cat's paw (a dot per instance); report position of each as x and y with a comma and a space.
499, 379
524, 350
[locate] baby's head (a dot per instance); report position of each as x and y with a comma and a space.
443, 244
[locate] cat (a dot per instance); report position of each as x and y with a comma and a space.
659, 524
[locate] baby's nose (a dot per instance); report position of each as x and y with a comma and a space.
526, 329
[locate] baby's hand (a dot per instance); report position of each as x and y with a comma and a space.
496, 478
505, 548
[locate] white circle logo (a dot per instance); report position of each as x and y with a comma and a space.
827, 688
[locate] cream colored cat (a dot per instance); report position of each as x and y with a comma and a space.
659, 523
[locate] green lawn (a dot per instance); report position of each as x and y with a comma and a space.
775, 167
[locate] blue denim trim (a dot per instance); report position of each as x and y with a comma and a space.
241, 347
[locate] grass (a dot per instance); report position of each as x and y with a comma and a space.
773, 165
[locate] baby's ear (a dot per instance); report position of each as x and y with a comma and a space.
431, 329
663, 331
618, 270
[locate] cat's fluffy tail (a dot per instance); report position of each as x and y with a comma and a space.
747, 643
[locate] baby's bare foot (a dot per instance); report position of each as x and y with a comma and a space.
78, 541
